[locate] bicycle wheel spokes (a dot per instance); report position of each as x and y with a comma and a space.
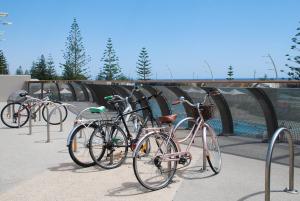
14, 114
152, 169
79, 145
109, 147
213, 153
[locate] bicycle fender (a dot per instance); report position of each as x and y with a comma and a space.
71, 132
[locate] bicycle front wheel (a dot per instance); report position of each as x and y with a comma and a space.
154, 166
14, 115
108, 147
213, 153
78, 144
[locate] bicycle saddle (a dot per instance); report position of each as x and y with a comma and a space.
168, 119
97, 109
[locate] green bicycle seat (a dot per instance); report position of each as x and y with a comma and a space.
97, 109
108, 98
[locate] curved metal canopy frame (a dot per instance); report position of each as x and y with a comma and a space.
179, 92
101, 91
72, 90
225, 113
85, 92
161, 100
267, 108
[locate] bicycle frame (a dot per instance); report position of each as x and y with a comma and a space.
199, 125
121, 116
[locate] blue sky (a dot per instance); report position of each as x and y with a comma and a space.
179, 35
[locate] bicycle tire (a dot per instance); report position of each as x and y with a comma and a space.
113, 143
152, 161
64, 112
81, 157
213, 154
14, 107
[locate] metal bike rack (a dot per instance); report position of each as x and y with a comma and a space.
58, 106
291, 188
49, 114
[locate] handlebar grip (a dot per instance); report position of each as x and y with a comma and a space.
176, 102
108, 98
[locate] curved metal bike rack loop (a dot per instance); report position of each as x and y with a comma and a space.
291, 188
57, 106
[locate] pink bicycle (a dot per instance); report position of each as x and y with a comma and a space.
157, 154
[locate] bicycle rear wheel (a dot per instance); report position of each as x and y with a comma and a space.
13, 114
109, 147
78, 144
213, 153
151, 168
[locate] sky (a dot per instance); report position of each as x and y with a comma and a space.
179, 35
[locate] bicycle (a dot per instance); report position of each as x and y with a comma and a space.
16, 114
109, 144
155, 167
78, 139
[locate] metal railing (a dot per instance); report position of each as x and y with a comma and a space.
291, 188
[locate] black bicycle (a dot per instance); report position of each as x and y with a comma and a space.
109, 143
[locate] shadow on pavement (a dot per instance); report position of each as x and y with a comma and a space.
74, 168
128, 189
258, 193
194, 172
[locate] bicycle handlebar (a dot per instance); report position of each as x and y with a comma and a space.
112, 98
148, 98
182, 99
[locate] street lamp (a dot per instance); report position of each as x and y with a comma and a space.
171, 74
211, 73
273, 64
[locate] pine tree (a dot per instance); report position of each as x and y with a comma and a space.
111, 69
39, 69
75, 56
3, 64
294, 68
19, 71
51, 68
143, 65
26, 72
230, 73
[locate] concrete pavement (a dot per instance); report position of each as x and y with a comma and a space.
34, 170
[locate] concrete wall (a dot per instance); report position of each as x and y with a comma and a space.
11, 83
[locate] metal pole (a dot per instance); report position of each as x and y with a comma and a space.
269, 159
40, 114
30, 121
204, 147
60, 118
48, 124
274, 66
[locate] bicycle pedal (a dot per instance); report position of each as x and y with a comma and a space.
182, 160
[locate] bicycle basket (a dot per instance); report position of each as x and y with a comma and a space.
207, 111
